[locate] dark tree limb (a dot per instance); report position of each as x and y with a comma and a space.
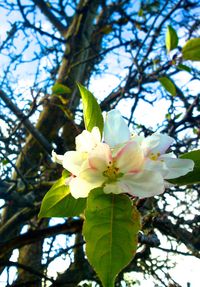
28, 125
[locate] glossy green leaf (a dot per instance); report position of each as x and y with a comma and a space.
184, 68
192, 177
60, 89
110, 230
91, 110
191, 50
171, 39
58, 202
168, 85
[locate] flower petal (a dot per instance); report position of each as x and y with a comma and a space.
177, 167
157, 143
73, 160
100, 157
144, 184
116, 130
86, 141
130, 158
112, 188
57, 158
80, 188
156, 165
92, 176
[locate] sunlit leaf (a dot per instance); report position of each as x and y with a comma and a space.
60, 89
91, 110
58, 201
192, 177
171, 39
191, 50
168, 85
110, 230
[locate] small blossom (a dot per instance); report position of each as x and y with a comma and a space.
124, 163
121, 173
85, 142
167, 164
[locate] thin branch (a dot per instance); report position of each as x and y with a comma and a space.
50, 16
28, 125
25, 267
70, 227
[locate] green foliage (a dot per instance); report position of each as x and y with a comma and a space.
184, 68
168, 85
58, 201
60, 89
140, 12
192, 177
110, 231
171, 39
91, 110
191, 50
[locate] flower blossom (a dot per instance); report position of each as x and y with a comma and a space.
122, 163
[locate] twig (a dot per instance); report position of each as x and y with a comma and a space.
35, 132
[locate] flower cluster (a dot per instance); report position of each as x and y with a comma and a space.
122, 163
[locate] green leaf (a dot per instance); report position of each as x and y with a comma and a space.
171, 39
91, 110
192, 177
140, 12
5, 161
58, 201
191, 50
168, 85
184, 68
110, 230
60, 89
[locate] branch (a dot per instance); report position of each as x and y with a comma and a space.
50, 16
17, 219
32, 130
25, 267
166, 227
70, 227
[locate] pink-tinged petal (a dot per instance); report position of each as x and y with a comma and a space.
157, 143
100, 157
112, 188
80, 188
116, 131
86, 141
144, 184
57, 158
178, 167
130, 158
73, 160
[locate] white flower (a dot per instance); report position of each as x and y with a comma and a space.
74, 160
122, 173
85, 142
167, 164
123, 164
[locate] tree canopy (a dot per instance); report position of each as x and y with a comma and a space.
140, 57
